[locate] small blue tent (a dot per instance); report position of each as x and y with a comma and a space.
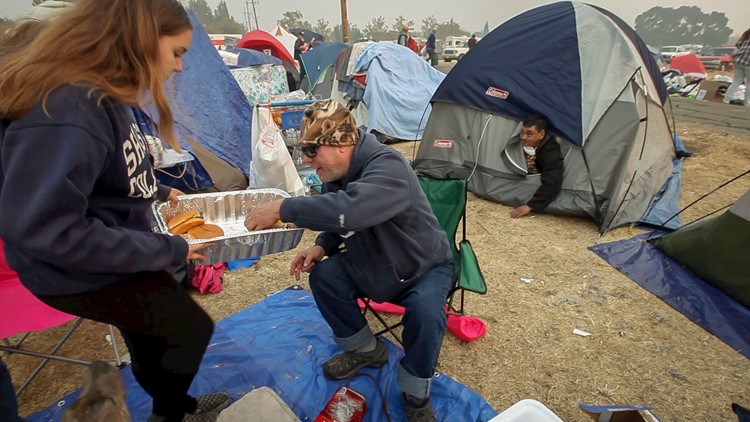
250, 57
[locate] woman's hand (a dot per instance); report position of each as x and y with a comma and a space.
194, 250
305, 261
172, 198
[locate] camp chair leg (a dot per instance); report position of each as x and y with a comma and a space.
45, 357
387, 328
118, 360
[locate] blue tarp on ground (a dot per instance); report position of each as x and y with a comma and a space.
399, 87
281, 342
702, 302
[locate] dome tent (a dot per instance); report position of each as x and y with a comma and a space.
594, 79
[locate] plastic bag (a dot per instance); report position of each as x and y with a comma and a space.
272, 166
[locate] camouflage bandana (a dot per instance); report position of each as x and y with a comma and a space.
328, 123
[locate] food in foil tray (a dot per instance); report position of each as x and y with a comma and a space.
219, 218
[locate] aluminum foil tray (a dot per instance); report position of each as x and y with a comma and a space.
228, 211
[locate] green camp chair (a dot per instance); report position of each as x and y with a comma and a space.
447, 198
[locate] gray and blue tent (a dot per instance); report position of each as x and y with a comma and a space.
594, 79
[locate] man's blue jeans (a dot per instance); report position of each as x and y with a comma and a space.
333, 283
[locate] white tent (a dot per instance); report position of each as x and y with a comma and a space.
46, 9
285, 37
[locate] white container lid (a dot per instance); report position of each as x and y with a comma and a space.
526, 410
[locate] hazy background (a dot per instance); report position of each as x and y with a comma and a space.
470, 14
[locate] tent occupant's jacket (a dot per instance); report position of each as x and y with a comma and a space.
549, 161
77, 186
381, 215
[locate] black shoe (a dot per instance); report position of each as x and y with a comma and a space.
418, 409
344, 365
213, 402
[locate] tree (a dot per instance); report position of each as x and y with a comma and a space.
450, 28
427, 24
685, 25
354, 34
223, 22
294, 19
400, 21
202, 10
377, 30
321, 27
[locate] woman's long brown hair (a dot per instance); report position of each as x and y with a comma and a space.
745, 35
112, 46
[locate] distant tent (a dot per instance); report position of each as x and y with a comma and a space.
717, 249
606, 109
47, 9
211, 113
267, 43
319, 63
249, 57
286, 38
687, 63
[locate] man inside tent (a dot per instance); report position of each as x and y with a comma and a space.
543, 157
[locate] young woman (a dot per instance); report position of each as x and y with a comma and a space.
77, 185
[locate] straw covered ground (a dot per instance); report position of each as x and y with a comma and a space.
641, 351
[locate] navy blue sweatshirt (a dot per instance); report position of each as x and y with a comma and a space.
380, 213
75, 195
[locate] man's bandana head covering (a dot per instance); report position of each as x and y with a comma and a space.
328, 123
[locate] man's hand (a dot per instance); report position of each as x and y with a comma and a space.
263, 216
195, 248
305, 261
520, 211
172, 198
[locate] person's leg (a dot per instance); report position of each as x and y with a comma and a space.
8, 403
746, 80
333, 288
336, 297
739, 76
166, 332
424, 328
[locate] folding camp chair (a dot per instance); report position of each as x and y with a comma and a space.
23, 314
447, 198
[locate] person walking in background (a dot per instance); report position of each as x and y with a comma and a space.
430, 47
472, 41
741, 61
403, 36
77, 186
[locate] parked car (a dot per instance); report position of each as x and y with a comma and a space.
717, 57
669, 51
455, 48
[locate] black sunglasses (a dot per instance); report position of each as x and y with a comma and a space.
310, 151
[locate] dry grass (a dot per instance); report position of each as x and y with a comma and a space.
641, 350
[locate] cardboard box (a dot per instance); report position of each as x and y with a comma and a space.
625, 413
712, 91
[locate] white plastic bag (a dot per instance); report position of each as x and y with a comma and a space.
271, 166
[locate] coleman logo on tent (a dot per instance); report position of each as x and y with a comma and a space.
496, 92
442, 143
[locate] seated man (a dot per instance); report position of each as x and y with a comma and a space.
543, 156
394, 250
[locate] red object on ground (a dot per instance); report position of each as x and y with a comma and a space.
465, 327
688, 63
346, 405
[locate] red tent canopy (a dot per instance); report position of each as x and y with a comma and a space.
688, 63
261, 40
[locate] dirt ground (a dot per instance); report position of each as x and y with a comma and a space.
641, 351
